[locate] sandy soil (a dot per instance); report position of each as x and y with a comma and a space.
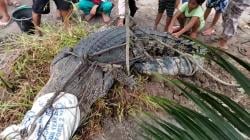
145, 18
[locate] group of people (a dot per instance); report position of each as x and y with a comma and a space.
192, 18
189, 14
90, 8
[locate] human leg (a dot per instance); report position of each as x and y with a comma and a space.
65, 8
105, 9
170, 7
195, 30
121, 12
207, 12
38, 8
230, 21
182, 20
168, 20
132, 6
36, 19
157, 20
4, 13
219, 7
161, 8
210, 30
86, 7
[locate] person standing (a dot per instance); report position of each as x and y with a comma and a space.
40, 7
168, 6
122, 10
220, 7
5, 20
230, 20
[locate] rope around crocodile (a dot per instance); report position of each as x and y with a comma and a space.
107, 67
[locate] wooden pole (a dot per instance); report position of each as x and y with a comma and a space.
127, 16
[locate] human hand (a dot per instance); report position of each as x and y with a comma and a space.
120, 22
176, 35
94, 9
170, 30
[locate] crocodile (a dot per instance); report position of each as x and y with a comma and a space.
89, 70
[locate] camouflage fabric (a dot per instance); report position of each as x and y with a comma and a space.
231, 15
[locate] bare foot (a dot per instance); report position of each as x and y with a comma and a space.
193, 35
105, 18
89, 17
120, 22
223, 44
38, 33
4, 21
209, 31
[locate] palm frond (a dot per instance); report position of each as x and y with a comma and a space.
218, 118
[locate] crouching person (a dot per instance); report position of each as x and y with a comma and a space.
93, 7
190, 17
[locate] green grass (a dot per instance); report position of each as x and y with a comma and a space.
31, 70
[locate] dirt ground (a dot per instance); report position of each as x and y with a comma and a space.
113, 129
145, 18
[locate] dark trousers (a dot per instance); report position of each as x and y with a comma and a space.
132, 7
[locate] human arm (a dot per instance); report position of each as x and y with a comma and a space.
175, 17
187, 27
94, 9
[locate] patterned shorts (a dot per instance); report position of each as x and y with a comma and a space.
168, 5
218, 5
231, 16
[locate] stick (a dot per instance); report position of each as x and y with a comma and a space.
108, 49
127, 37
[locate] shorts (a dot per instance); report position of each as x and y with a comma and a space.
218, 5
43, 6
168, 5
